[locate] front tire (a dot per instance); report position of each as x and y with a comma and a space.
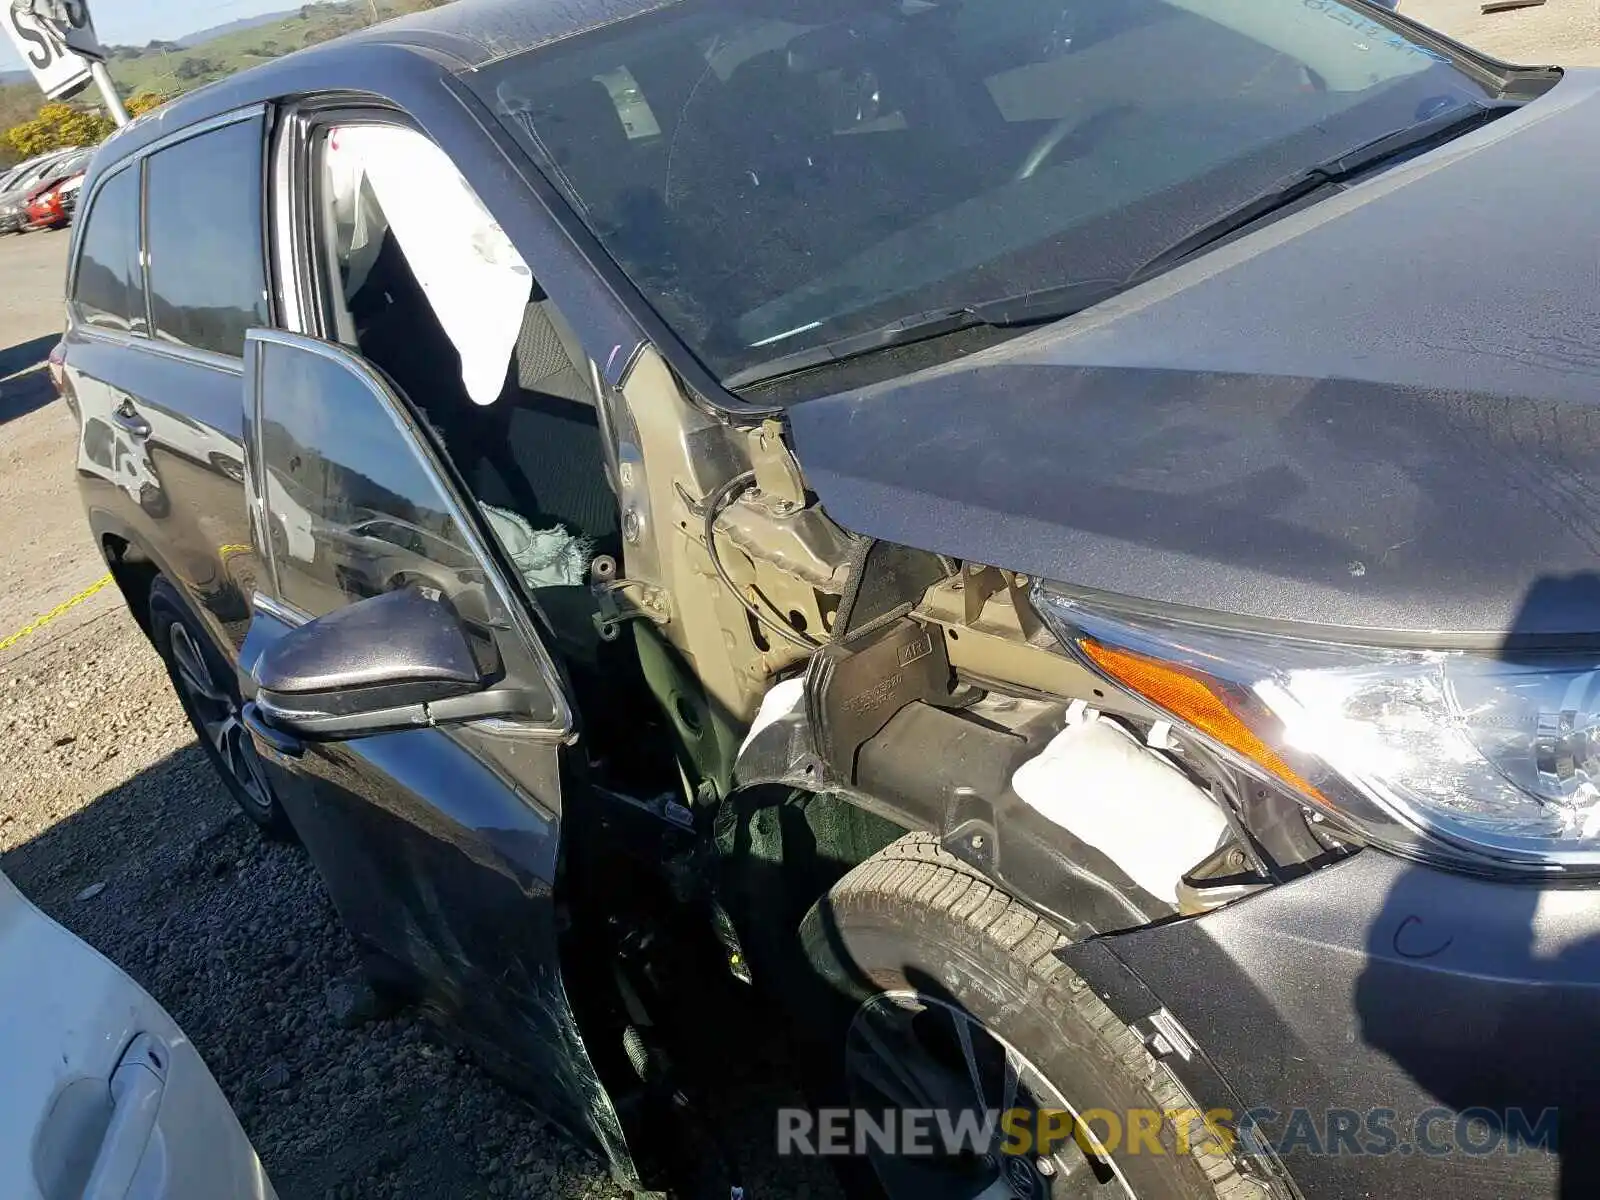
939, 991
207, 690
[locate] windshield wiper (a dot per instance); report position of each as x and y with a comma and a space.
1353, 162
1058, 303
1008, 312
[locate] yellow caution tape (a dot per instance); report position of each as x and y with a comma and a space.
59, 610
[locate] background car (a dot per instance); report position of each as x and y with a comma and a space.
104, 1094
53, 201
17, 188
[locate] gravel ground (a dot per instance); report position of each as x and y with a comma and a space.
111, 820
1560, 31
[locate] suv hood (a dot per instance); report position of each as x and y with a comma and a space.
1381, 412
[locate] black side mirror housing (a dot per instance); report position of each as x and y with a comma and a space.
391, 662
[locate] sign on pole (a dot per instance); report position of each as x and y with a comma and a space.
57, 38
72, 18
54, 51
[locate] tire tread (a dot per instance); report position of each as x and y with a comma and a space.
918, 870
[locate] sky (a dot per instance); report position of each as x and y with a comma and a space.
135, 22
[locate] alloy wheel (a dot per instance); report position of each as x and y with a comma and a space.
908, 1051
215, 713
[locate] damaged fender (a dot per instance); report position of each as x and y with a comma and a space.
947, 771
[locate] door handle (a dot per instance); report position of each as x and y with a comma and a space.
127, 416
136, 1091
274, 741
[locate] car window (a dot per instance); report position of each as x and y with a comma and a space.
774, 178
206, 246
391, 189
27, 176
108, 289
72, 166
419, 279
60, 169
343, 479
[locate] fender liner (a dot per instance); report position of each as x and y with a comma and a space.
948, 772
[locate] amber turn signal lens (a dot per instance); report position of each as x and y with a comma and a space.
1194, 700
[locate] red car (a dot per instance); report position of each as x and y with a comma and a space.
52, 203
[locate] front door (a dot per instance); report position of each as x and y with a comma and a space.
439, 847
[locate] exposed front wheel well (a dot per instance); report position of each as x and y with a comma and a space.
781, 849
929, 986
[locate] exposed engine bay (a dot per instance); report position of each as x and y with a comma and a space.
928, 692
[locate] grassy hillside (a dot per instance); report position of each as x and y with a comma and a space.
189, 41
167, 67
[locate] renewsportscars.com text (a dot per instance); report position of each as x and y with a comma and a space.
1435, 1133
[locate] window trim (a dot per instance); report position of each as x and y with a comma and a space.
86, 207
139, 160
560, 726
296, 200
142, 167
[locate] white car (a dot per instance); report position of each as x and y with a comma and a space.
104, 1097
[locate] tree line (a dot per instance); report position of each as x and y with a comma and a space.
58, 125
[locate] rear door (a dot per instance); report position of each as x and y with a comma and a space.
104, 1098
172, 272
439, 847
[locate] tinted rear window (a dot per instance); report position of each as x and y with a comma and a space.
207, 268
108, 290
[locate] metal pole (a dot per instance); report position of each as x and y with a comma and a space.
108, 92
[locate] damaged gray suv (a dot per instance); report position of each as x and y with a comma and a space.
1039, 552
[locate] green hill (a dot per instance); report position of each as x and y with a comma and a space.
189, 41
167, 67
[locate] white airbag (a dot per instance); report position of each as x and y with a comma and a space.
476, 282
1099, 783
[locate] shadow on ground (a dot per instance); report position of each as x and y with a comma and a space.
235, 937
24, 385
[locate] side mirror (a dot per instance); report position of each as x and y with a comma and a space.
395, 661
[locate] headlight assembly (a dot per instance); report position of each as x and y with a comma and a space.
1479, 762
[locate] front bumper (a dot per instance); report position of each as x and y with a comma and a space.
1401, 994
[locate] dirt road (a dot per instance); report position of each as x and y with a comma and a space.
1565, 32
